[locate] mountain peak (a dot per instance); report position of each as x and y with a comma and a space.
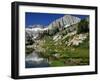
36, 26
66, 20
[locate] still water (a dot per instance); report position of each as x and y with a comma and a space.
34, 61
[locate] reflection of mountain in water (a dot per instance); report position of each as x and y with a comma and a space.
33, 60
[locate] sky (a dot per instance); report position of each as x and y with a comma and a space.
43, 18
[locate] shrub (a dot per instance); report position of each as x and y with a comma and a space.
83, 26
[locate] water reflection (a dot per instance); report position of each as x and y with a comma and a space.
33, 60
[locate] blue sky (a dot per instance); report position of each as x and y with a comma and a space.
44, 18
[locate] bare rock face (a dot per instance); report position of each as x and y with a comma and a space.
77, 39
64, 21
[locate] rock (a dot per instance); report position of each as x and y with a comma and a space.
56, 55
77, 39
64, 21
57, 37
66, 42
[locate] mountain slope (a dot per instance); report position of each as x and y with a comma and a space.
53, 27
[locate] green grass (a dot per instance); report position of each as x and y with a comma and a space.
68, 56
56, 63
